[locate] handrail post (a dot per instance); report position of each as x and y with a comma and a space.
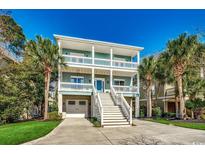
101, 117
130, 115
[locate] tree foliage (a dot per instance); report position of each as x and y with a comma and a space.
11, 34
21, 87
45, 55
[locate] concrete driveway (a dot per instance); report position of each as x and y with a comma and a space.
80, 131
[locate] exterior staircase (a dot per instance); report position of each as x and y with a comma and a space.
112, 114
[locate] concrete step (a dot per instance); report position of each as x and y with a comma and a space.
110, 126
112, 113
115, 123
113, 106
114, 120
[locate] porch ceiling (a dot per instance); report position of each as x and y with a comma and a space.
100, 46
97, 71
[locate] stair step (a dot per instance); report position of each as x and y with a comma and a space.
112, 113
114, 120
113, 106
115, 123
110, 126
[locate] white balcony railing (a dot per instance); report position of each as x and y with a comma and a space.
76, 86
124, 64
99, 62
77, 59
125, 89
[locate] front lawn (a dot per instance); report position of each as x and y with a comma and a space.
192, 125
22, 132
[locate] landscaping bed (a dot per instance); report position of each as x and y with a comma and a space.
180, 123
22, 132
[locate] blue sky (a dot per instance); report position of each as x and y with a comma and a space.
150, 29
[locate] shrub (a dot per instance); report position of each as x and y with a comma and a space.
168, 115
196, 106
53, 107
54, 116
157, 112
143, 111
95, 122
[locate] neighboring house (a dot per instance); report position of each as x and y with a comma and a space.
166, 98
97, 80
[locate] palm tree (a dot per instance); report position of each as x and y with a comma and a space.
45, 55
147, 69
179, 54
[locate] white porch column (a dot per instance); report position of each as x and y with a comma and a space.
137, 98
59, 72
111, 78
93, 76
131, 81
138, 57
93, 54
137, 107
111, 56
60, 103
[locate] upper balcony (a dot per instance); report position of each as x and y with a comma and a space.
99, 62
86, 52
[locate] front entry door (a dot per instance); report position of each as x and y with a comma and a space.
99, 85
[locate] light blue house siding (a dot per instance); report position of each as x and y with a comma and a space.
97, 54
66, 77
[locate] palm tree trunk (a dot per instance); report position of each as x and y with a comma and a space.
181, 97
149, 101
47, 82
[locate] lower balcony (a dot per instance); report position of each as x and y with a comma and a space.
76, 87
87, 88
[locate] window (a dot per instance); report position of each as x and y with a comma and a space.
71, 102
77, 79
82, 103
119, 82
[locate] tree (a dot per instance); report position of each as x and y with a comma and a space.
44, 55
196, 106
179, 54
11, 34
20, 89
147, 69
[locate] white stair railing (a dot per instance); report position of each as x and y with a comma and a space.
120, 100
98, 104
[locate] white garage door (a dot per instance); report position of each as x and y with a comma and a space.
77, 108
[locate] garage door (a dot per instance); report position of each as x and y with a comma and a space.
77, 108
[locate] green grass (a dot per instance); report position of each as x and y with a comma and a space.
191, 125
22, 132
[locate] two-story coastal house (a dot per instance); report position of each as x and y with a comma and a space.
97, 80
